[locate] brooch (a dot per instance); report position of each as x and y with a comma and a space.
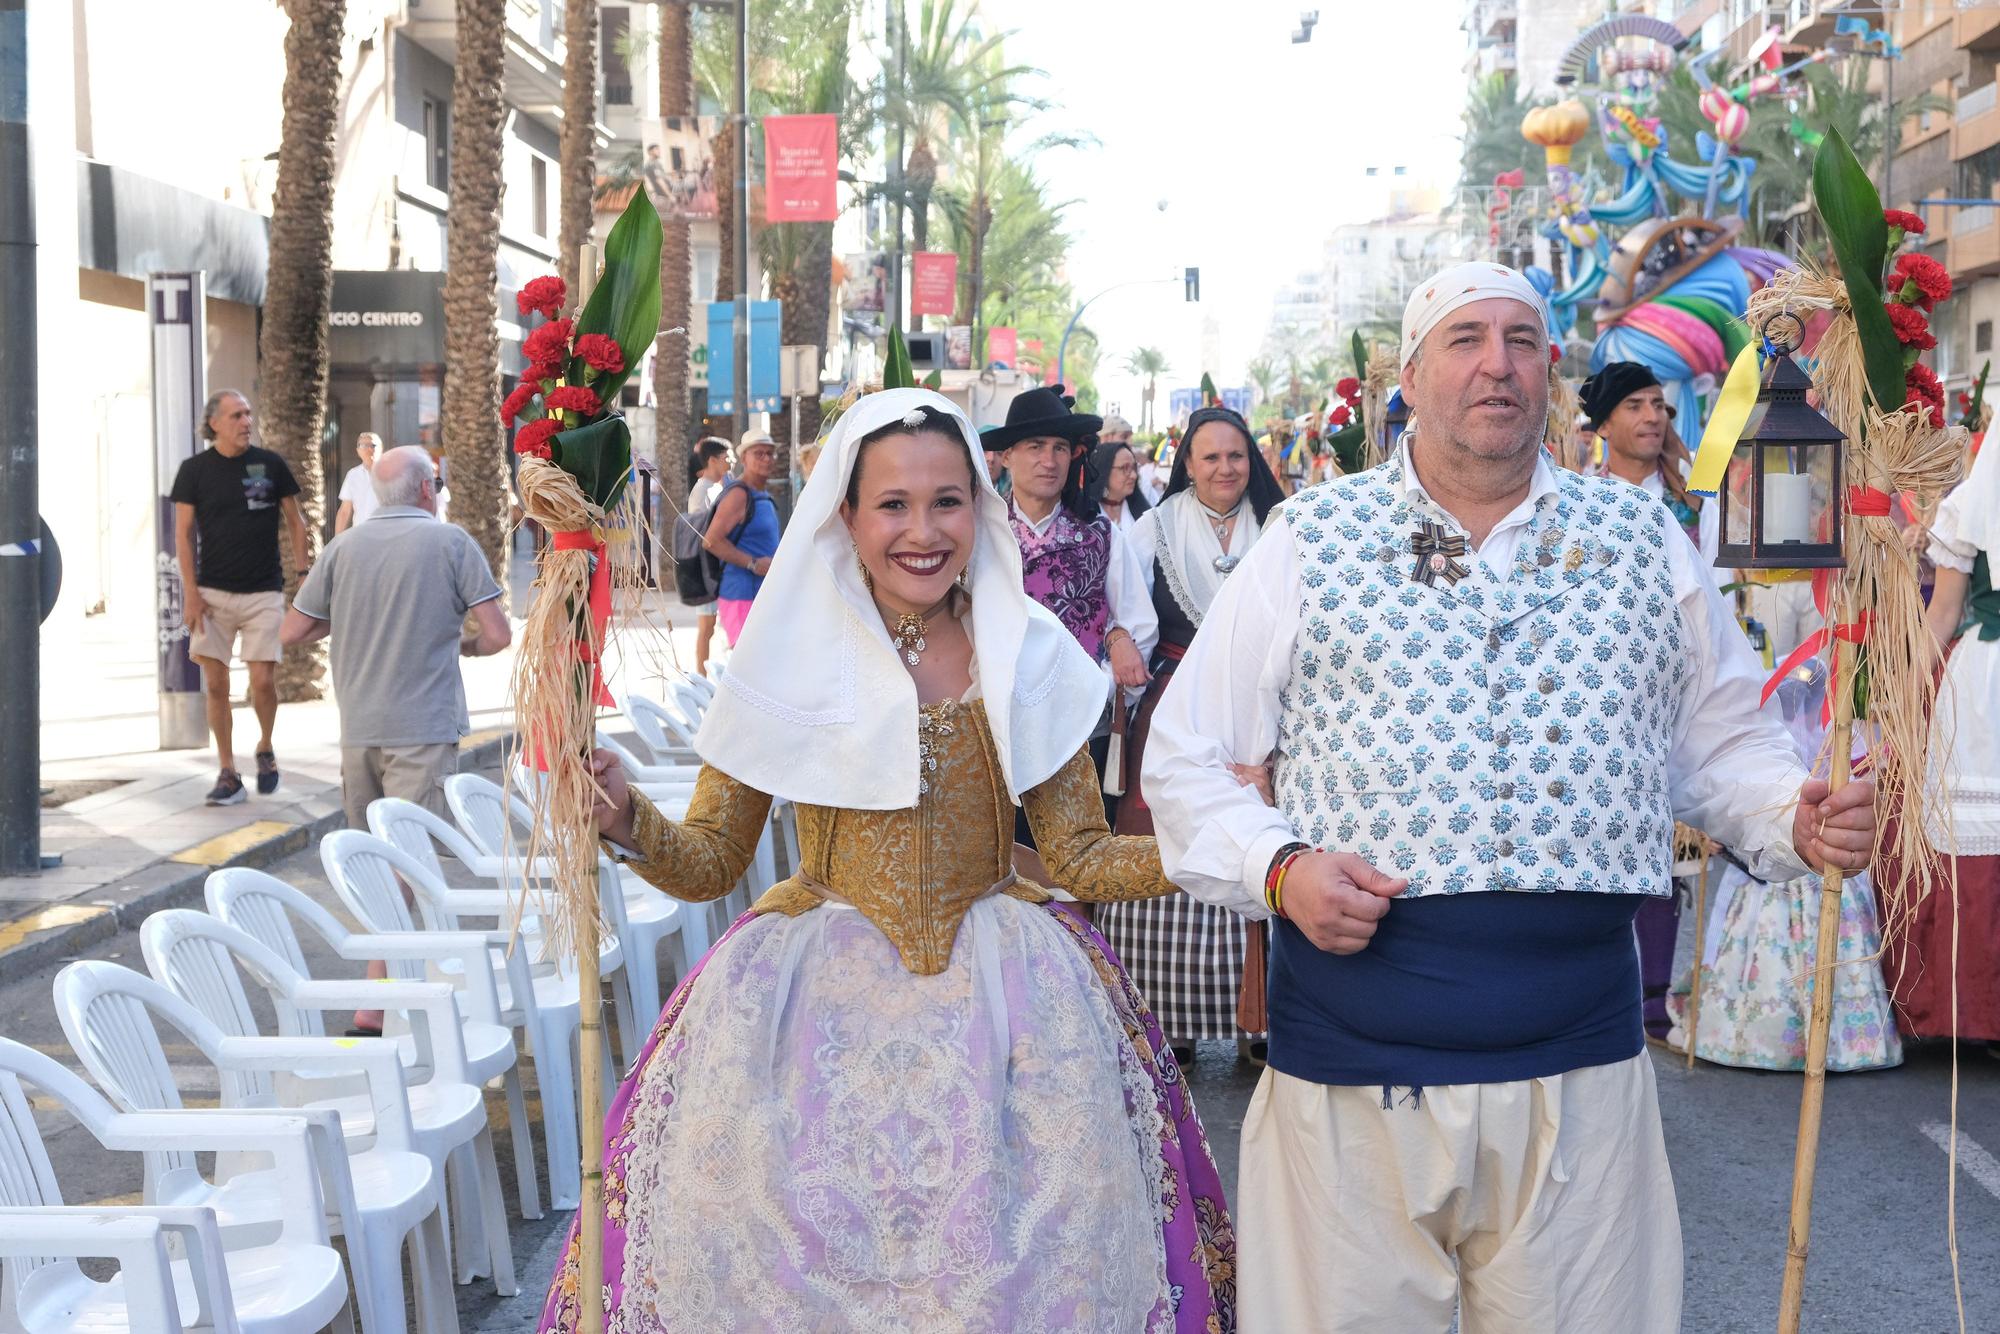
1437, 552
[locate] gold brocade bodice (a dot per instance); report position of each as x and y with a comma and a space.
913, 872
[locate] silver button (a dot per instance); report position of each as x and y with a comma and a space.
1545, 557
1554, 733
1506, 791
1390, 552
1558, 788
1493, 640
1547, 685
1499, 689
1538, 636
1505, 847
1503, 737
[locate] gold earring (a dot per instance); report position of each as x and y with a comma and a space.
867, 579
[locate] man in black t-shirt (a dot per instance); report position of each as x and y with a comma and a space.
228, 504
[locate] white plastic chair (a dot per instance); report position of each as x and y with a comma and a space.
264, 906
108, 1013
197, 957
364, 872
668, 734
420, 834
288, 1281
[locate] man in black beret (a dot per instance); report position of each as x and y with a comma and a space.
1628, 407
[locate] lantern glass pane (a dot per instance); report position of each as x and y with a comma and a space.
1798, 496
1736, 498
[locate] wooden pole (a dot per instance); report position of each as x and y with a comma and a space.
1700, 927
590, 1028
1805, 1159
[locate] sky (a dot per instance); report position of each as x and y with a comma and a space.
1224, 146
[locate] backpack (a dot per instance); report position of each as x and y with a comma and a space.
697, 570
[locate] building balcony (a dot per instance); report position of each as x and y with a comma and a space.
535, 48
1495, 18
1807, 22
1973, 250
1975, 122
1977, 29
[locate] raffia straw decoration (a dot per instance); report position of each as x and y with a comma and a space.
1563, 407
1894, 452
1383, 373
553, 706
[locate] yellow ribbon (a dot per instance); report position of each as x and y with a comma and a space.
1725, 424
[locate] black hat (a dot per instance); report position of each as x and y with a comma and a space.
1617, 381
1043, 410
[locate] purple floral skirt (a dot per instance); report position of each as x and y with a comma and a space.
816, 1138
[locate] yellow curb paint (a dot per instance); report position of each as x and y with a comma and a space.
223, 847
473, 740
63, 914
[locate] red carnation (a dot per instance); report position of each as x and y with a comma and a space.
1919, 280
534, 438
1926, 391
548, 344
518, 401
1909, 223
543, 370
572, 398
601, 352
1912, 330
1340, 416
1348, 387
543, 294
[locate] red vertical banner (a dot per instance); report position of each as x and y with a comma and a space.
933, 283
801, 161
1002, 346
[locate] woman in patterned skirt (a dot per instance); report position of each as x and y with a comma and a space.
1186, 957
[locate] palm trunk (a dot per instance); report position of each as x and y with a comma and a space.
474, 450
807, 293
579, 132
292, 346
670, 354
725, 210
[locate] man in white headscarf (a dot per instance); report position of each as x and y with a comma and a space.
1487, 687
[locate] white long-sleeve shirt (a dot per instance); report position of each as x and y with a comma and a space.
1733, 771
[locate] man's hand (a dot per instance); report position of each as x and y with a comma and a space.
613, 810
1336, 899
1837, 831
1259, 777
192, 609
1127, 667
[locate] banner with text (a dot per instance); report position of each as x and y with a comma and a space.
933, 282
1002, 347
801, 159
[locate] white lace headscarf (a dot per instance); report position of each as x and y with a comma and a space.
816, 706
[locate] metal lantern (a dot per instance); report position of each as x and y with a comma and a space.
1780, 496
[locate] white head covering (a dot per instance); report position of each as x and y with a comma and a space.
1968, 522
816, 706
1459, 286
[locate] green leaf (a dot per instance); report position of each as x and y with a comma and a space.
1360, 350
1347, 445
599, 456
1852, 211
626, 301
897, 373
1971, 419
935, 380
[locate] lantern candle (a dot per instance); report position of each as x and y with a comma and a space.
1787, 507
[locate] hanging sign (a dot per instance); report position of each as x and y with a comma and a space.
933, 283
1002, 346
801, 159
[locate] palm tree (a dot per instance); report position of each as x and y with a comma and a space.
1263, 376
1492, 141
474, 450
1151, 363
670, 351
579, 128
299, 290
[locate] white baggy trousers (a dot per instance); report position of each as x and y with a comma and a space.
1541, 1206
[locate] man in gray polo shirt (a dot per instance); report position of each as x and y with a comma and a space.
393, 593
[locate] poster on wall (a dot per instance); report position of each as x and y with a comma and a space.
677, 166
867, 284
933, 282
958, 348
801, 159
1002, 347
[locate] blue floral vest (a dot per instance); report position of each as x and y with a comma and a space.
1507, 733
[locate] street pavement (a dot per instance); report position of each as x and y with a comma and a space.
1879, 1258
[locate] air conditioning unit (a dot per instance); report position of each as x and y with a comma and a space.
927, 351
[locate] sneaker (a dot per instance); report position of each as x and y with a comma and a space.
228, 789
267, 773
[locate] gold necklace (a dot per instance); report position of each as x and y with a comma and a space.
908, 633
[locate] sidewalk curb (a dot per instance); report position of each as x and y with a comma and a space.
177, 885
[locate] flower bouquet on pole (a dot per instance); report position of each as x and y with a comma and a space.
575, 459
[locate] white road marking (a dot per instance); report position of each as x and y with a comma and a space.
1973, 1160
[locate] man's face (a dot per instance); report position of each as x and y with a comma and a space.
1480, 381
366, 453
757, 462
231, 424
1039, 466
1636, 430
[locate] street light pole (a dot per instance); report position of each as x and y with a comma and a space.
742, 221
20, 524
900, 23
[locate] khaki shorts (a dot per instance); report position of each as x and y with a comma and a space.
414, 773
254, 616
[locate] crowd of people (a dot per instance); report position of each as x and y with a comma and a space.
1097, 754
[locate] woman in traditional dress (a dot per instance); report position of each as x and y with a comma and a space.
905, 1091
1964, 614
1185, 956
1111, 479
